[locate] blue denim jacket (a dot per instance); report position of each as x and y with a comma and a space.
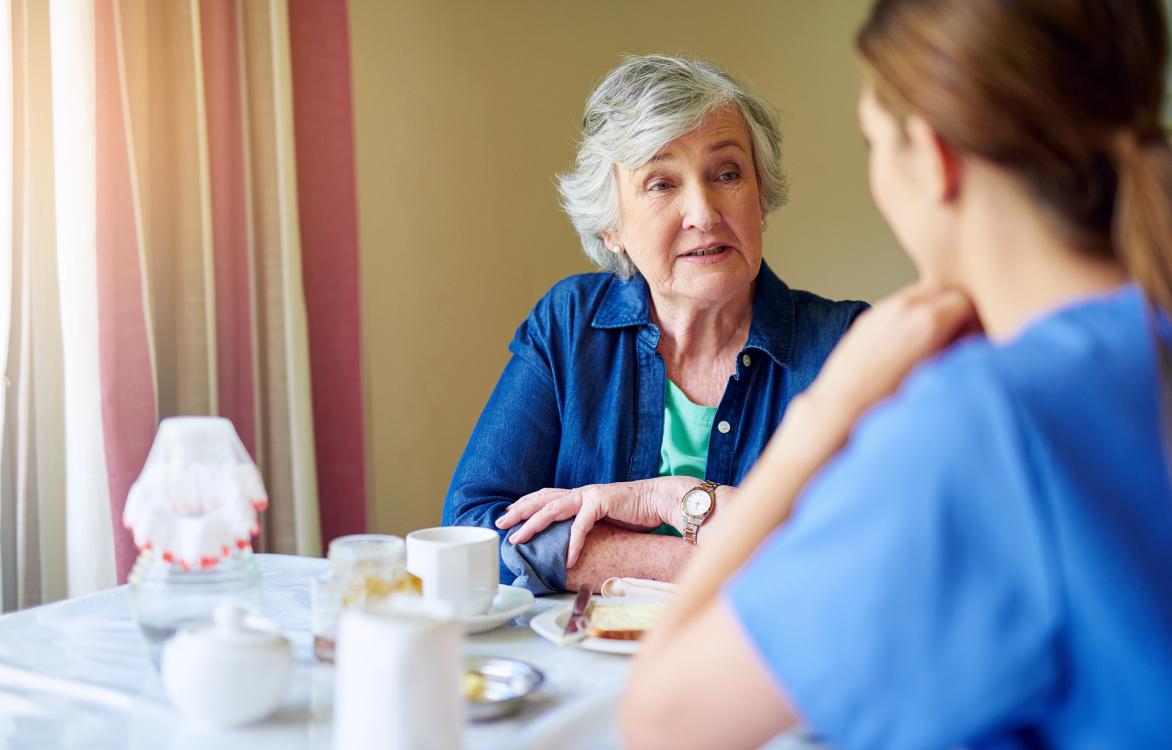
581, 402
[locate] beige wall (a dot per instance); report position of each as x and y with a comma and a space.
464, 113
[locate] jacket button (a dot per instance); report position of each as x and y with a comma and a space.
745, 360
724, 427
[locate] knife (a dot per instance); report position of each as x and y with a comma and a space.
577, 621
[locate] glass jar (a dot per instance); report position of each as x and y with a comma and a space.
165, 596
364, 569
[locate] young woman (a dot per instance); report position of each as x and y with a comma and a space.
981, 552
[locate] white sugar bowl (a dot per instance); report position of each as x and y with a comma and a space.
227, 672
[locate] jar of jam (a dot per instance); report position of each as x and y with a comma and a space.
364, 570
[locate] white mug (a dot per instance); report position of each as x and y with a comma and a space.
397, 680
459, 565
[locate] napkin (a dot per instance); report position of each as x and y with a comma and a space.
643, 587
397, 678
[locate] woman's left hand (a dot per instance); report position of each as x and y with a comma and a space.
642, 505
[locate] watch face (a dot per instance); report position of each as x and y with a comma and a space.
697, 502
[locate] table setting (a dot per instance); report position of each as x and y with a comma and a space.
77, 674
388, 642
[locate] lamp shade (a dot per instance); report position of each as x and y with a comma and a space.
198, 496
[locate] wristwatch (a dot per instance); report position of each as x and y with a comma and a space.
695, 507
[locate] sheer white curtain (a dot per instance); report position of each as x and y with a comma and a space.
153, 196
87, 524
7, 569
55, 525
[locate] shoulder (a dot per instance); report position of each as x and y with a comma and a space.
817, 318
955, 410
575, 296
579, 288
809, 329
796, 327
564, 314
1101, 345
810, 307
1102, 342
805, 310
982, 401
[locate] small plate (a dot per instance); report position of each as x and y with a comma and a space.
551, 623
504, 684
510, 602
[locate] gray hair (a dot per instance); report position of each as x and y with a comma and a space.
640, 107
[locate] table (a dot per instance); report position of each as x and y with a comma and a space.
75, 674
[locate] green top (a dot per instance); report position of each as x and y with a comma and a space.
686, 430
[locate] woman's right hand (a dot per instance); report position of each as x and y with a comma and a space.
641, 505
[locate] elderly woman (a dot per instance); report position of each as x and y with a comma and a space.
642, 395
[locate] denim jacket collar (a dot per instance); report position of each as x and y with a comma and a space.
628, 303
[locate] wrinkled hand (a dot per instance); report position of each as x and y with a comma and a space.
640, 505
887, 342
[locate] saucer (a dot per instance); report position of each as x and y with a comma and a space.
510, 602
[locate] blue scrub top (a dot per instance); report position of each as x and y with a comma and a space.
988, 562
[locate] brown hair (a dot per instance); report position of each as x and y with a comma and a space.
1064, 93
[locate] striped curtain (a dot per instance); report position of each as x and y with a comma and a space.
179, 229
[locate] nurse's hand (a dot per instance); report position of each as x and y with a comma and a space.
884, 345
640, 505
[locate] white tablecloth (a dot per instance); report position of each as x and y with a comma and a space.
75, 674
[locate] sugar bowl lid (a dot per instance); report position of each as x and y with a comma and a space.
231, 628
